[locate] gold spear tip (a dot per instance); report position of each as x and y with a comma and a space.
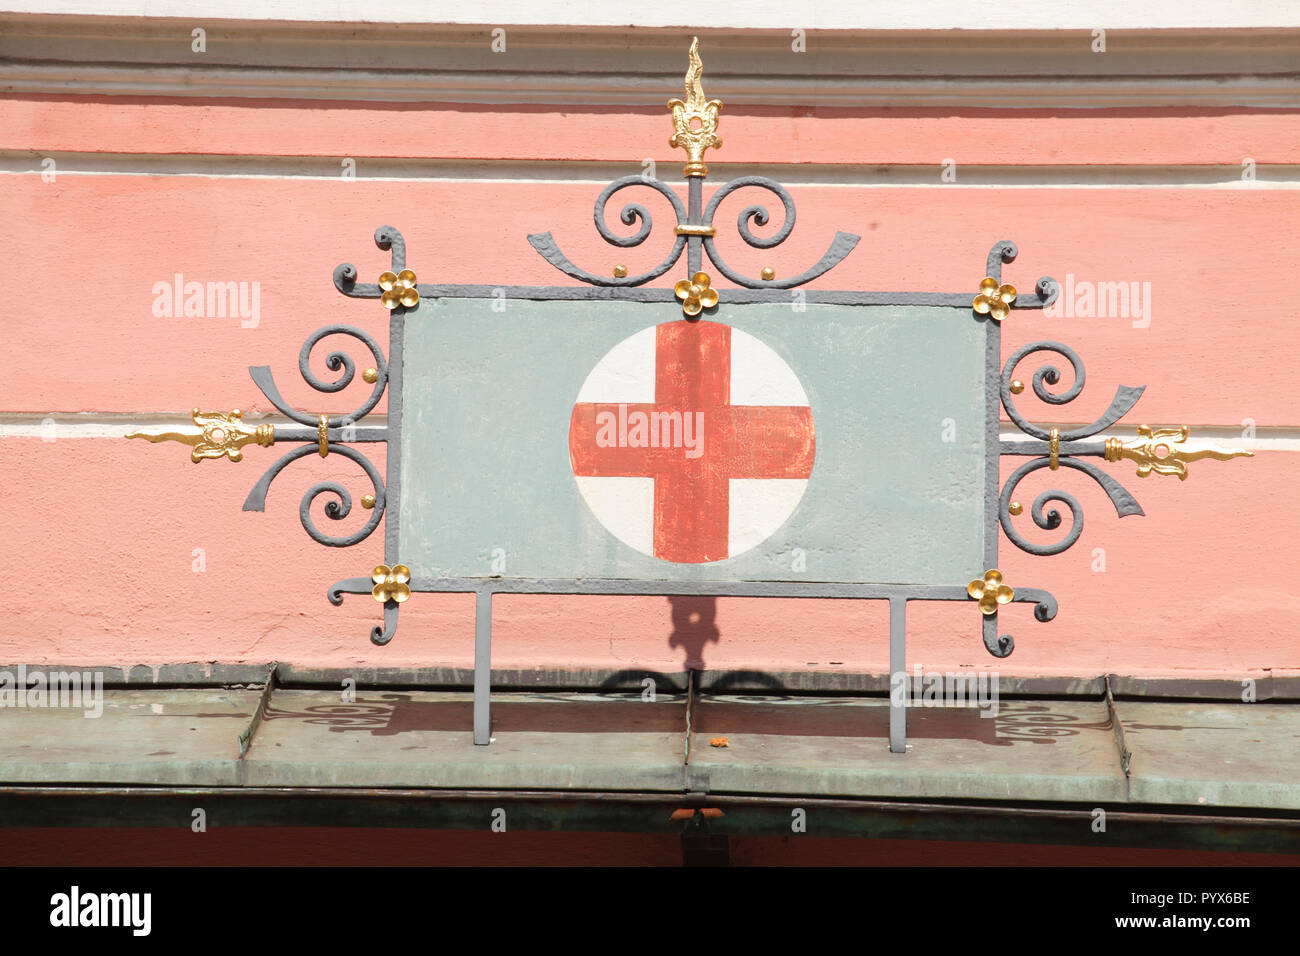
695, 119
1168, 451
215, 435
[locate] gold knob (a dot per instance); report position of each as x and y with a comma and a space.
768, 273
371, 375
620, 272
1016, 508
367, 501
1017, 387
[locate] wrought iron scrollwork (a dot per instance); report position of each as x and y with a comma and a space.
265, 379
695, 231
327, 434
1001, 645
695, 123
335, 431
1065, 448
840, 246
631, 214
1046, 289
337, 509
345, 276
1125, 505
345, 273
1125, 396
380, 634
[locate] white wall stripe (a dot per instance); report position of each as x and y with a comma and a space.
929, 15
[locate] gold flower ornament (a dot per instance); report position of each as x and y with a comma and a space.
399, 289
994, 299
990, 592
391, 583
696, 294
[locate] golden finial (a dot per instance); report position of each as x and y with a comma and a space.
219, 435
695, 120
1163, 451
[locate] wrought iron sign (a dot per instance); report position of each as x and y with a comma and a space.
758, 441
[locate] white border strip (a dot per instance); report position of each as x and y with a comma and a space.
932, 15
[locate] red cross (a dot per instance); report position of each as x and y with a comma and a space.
693, 374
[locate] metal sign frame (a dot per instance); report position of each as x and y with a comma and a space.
387, 498
1161, 450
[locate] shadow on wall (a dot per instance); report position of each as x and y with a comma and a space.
694, 625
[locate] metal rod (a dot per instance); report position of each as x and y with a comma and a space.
992, 410
246, 738
897, 669
686, 742
357, 433
482, 667
694, 209
1032, 449
1117, 726
735, 296
790, 589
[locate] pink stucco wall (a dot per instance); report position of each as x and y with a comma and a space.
100, 533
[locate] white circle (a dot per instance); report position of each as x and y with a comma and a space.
625, 505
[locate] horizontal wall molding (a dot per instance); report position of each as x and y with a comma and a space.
559, 172
931, 15
451, 63
1024, 92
